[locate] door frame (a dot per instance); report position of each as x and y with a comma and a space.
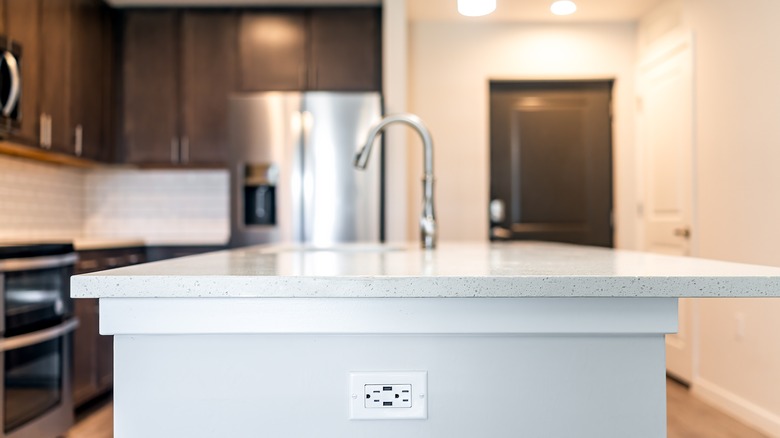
660, 51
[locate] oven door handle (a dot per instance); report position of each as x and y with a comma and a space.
34, 263
38, 337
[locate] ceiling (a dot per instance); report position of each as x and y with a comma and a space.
446, 10
135, 3
534, 11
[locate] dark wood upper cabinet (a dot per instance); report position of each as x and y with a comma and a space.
54, 85
89, 68
345, 50
110, 117
2, 17
208, 77
23, 26
318, 49
62, 65
179, 67
150, 50
273, 51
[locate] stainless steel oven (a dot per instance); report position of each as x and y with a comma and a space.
36, 343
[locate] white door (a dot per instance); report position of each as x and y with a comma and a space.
666, 137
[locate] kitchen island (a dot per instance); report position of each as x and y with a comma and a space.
521, 339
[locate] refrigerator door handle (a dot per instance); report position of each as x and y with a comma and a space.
308, 189
295, 178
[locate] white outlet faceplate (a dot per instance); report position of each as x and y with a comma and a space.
394, 395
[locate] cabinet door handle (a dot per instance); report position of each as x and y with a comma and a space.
42, 129
175, 150
497, 211
683, 232
13, 95
79, 138
185, 150
45, 134
302, 78
48, 131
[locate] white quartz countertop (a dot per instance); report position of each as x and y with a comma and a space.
524, 269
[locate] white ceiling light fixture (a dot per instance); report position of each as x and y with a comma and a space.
476, 8
563, 7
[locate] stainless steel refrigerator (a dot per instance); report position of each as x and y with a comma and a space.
292, 170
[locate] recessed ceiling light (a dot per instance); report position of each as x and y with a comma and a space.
476, 8
563, 7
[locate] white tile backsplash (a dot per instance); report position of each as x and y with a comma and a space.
161, 206
40, 201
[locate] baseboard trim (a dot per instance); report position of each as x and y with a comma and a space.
745, 411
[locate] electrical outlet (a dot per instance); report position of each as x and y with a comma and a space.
388, 395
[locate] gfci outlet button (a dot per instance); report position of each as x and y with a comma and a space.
392, 395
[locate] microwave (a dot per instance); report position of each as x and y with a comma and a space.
10, 84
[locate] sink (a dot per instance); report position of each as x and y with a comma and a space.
346, 248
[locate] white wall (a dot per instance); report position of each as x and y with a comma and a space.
451, 64
738, 136
737, 66
394, 79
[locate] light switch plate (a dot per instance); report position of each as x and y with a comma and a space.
364, 398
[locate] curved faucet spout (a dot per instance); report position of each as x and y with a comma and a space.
428, 219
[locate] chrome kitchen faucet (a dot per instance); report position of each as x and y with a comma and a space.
427, 219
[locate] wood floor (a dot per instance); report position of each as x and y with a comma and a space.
98, 423
687, 418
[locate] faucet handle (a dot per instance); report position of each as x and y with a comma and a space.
428, 232
497, 211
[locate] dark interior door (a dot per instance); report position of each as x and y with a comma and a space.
551, 161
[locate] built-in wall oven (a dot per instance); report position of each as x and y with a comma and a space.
36, 341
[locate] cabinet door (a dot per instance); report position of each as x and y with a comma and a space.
110, 115
87, 72
273, 51
55, 83
85, 384
105, 361
23, 21
345, 50
207, 77
150, 89
2, 17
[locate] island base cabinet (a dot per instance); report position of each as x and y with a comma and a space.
482, 380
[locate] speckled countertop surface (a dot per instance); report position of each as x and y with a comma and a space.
524, 269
